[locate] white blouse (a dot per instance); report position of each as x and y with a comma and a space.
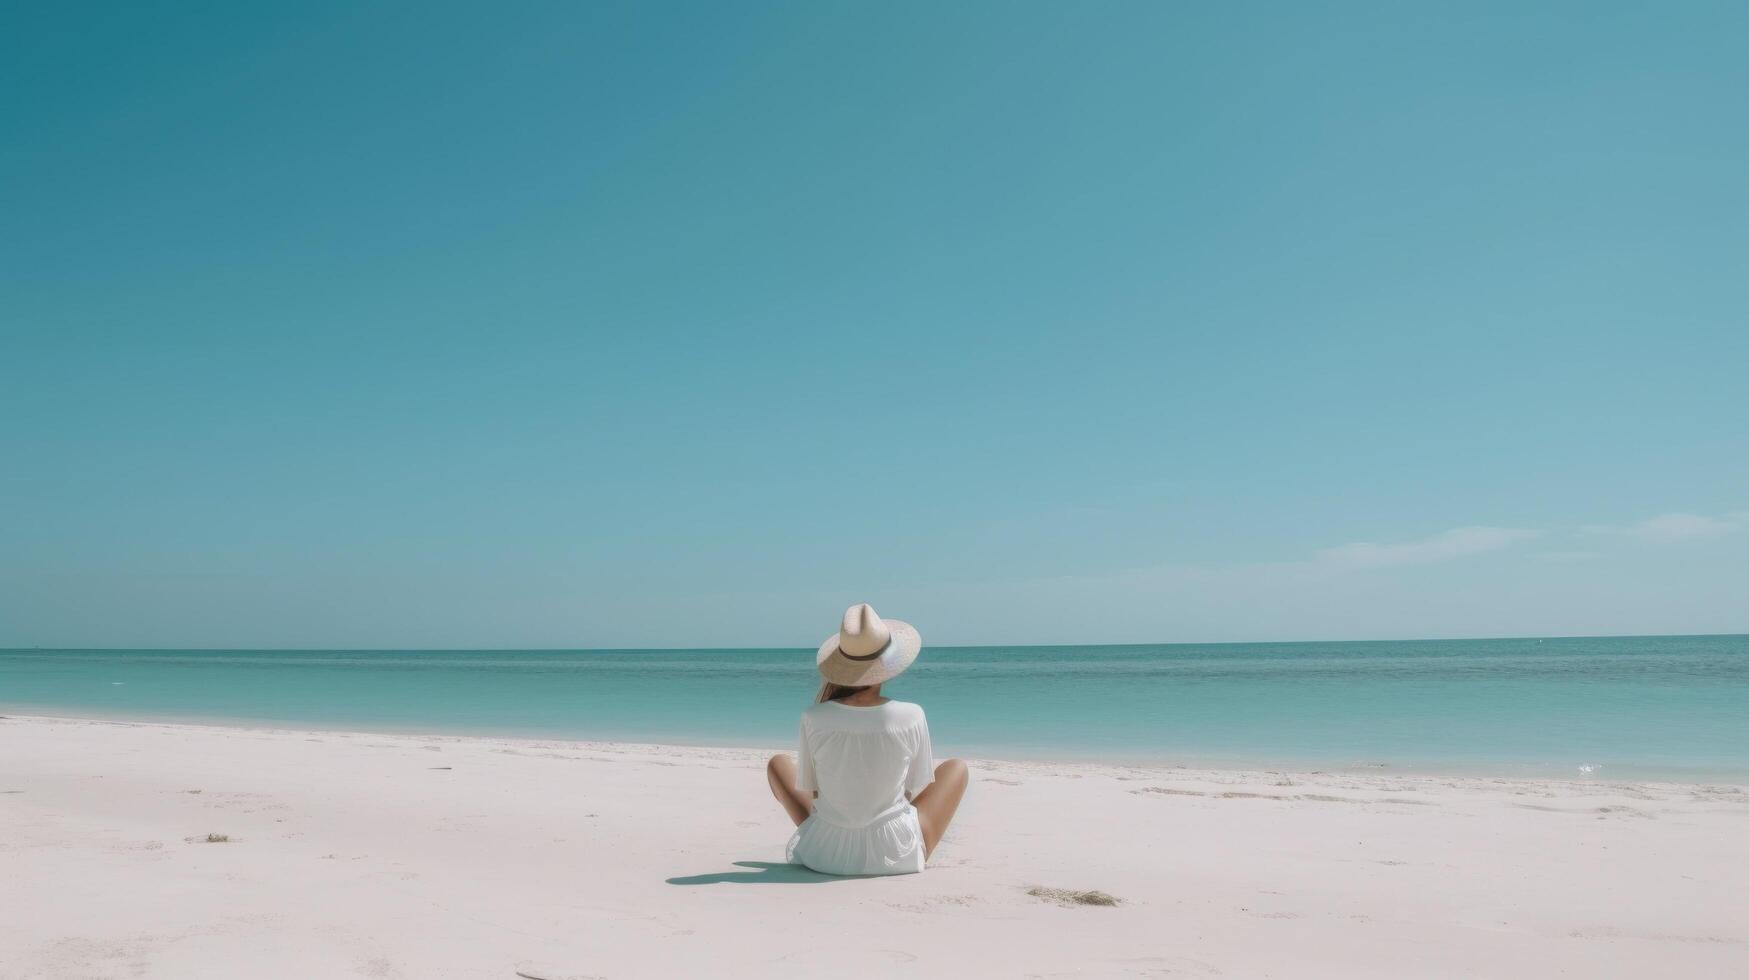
864, 762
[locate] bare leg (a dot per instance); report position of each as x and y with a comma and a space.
780, 772
938, 801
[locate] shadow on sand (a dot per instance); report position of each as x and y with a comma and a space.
762, 873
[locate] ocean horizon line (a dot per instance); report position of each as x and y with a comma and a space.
754, 648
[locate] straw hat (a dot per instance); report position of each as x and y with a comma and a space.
867, 649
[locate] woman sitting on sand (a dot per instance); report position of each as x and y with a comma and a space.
864, 790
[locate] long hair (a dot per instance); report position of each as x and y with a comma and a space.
838, 692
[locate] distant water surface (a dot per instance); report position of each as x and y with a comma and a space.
1627, 707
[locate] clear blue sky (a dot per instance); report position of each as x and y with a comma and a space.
586, 324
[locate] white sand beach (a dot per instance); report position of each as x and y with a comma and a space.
389, 856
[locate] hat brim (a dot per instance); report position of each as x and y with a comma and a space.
903, 645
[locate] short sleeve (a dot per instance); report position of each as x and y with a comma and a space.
922, 771
805, 762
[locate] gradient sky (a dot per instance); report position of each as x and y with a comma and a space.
589, 324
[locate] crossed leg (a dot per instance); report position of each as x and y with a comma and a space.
780, 772
938, 801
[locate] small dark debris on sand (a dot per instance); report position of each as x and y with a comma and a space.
1068, 897
218, 838
440, 767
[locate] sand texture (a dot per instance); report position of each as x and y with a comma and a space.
151, 850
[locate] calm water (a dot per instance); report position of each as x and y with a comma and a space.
1640, 707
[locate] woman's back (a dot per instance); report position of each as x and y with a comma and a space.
863, 761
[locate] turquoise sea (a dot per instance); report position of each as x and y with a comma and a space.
1624, 707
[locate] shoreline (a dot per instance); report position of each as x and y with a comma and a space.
416, 856
1604, 775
